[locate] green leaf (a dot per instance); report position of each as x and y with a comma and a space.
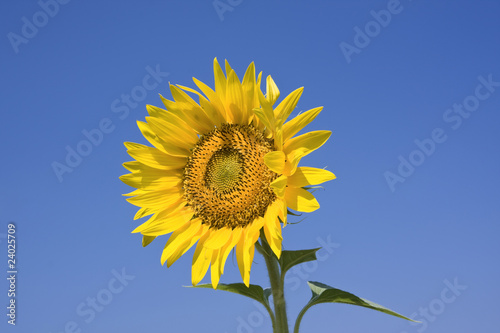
253, 291
322, 293
267, 293
289, 259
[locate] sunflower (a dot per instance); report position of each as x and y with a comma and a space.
222, 170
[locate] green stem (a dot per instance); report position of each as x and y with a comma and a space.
299, 318
281, 322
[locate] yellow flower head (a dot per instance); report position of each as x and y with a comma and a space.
222, 170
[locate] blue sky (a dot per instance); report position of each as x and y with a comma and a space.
411, 92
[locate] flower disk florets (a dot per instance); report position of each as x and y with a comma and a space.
226, 181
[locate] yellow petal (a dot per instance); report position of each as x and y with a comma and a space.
307, 142
275, 160
156, 159
235, 237
272, 229
134, 193
263, 118
162, 143
167, 225
185, 246
172, 124
244, 261
220, 81
172, 130
240, 257
214, 267
180, 111
300, 200
293, 126
152, 180
144, 171
146, 240
188, 110
150, 136
248, 88
245, 248
218, 238
279, 186
228, 67
162, 213
201, 260
158, 198
133, 145
157, 112
274, 238
282, 211
191, 90
253, 230
287, 105
178, 126
278, 139
144, 211
234, 99
212, 111
183, 234
272, 91
134, 166
267, 111
257, 89
302, 145
214, 98
305, 176
219, 254
186, 102
138, 168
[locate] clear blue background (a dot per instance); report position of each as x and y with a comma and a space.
396, 248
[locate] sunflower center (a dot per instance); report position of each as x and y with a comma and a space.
224, 170
226, 180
